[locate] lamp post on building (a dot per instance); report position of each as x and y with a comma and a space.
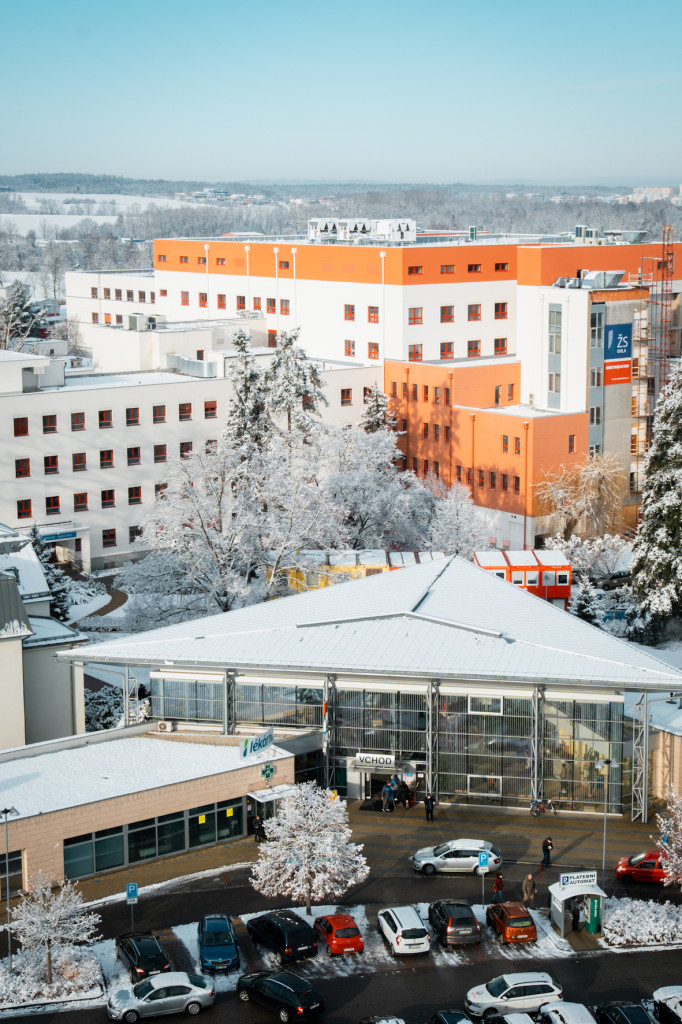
605, 763
8, 812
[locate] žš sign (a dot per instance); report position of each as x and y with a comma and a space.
257, 744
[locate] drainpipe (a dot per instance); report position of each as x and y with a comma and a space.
525, 485
473, 437
450, 377
407, 416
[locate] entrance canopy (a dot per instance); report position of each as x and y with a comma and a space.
561, 894
264, 796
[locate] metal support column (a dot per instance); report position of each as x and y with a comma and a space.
640, 761
432, 785
329, 730
229, 709
536, 743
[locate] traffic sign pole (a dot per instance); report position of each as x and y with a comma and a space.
131, 899
483, 871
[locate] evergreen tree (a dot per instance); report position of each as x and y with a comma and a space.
584, 603
59, 584
294, 384
375, 415
246, 417
657, 550
18, 318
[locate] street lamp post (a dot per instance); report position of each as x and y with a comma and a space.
606, 764
8, 812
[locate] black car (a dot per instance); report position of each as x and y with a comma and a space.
619, 1012
143, 955
449, 1017
290, 997
454, 922
285, 933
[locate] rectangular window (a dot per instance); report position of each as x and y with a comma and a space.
130, 295
271, 305
272, 339
415, 315
349, 311
595, 415
372, 314
596, 329
372, 350
554, 383
185, 411
108, 538
366, 393
50, 464
78, 462
201, 259
447, 396
256, 304
505, 482
184, 259
517, 446
160, 259
436, 432
203, 300
497, 394
403, 426
210, 409
414, 353
52, 506
95, 318
80, 502
49, 424
184, 298
517, 485
404, 389
394, 389
107, 293
159, 413
555, 331
500, 310
160, 453
106, 419
510, 392
133, 533
134, 495
119, 318
425, 392
241, 302
447, 314
22, 467
133, 416
436, 468
481, 478
474, 311
346, 396
426, 466
159, 490
414, 270
152, 296
458, 474
474, 268
447, 349
425, 430
24, 508
415, 392
185, 449
284, 307
492, 480
133, 456
163, 292
500, 346
595, 377
473, 349
501, 266
470, 476
108, 498
222, 301
414, 465
447, 434
284, 264
447, 268
505, 444
220, 261
93, 293
78, 421
141, 296
349, 347
118, 294
571, 443
436, 396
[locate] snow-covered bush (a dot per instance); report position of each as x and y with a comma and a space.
77, 973
630, 922
670, 839
104, 708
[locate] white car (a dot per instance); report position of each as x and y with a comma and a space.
511, 993
457, 855
404, 930
565, 1013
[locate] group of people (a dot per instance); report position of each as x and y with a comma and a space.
529, 889
395, 791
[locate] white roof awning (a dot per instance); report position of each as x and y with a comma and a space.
264, 796
569, 892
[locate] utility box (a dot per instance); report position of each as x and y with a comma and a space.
592, 914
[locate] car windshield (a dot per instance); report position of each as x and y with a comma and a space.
414, 933
346, 933
634, 861
438, 851
143, 988
520, 922
198, 981
497, 986
221, 938
495, 850
461, 913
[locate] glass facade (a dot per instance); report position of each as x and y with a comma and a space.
15, 873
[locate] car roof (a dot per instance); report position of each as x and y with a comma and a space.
520, 976
169, 978
458, 843
514, 908
571, 1013
453, 902
403, 912
668, 992
339, 920
216, 919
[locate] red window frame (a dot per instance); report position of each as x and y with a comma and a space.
241, 302
78, 462
394, 389
160, 453
109, 538
50, 464
372, 349
447, 350
160, 259
135, 495
271, 305
184, 298
415, 392
133, 416
349, 347
163, 292
141, 296
105, 419
159, 489
220, 261
447, 268
447, 433
425, 393
222, 300
404, 389
474, 268
203, 300
517, 446
425, 430
80, 502
186, 448
517, 485
49, 424
52, 505
159, 413
22, 468
372, 314
134, 457
24, 508
473, 349
202, 260
501, 309
184, 259
93, 293
108, 498
474, 311
185, 411
505, 481
414, 353
447, 314
501, 266
284, 307
436, 432
571, 443
346, 396
272, 339
349, 311
492, 480
78, 421
505, 444
500, 346
415, 315
284, 264
256, 304
411, 271
210, 409
95, 318
130, 295
481, 478
447, 396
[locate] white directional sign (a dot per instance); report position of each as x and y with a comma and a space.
483, 865
579, 878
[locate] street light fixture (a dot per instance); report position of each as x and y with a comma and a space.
606, 763
8, 812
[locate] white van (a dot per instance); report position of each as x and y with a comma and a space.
404, 930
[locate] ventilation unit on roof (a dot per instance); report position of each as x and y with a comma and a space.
164, 727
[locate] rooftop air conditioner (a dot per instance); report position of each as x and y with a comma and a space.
164, 727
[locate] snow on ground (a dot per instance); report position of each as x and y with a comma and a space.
629, 922
80, 611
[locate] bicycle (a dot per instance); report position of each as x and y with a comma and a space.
541, 807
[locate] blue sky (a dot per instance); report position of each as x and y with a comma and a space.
429, 91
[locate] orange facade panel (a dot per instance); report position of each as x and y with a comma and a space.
542, 265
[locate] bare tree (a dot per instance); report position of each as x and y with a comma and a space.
587, 495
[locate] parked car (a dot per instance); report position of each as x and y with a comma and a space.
668, 1004
449, 1017
404, 930
454, 922
620, 1012
565, 1013
512, 922
142, 954
615, 580
340, 934
643, 867
288, 995
175, 992
527, 992
285, 933
456, 855
218, 948
381, 1020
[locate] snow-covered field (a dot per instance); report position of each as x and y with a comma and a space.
630, 923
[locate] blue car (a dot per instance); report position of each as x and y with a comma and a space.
218, 949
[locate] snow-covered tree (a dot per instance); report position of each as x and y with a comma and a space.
375, 415
18, 319
595, 558
670, 839
246, 413
295, 389
457, 526
60, 585
657, 549
309, 855
45, 919
587, 494
585, 604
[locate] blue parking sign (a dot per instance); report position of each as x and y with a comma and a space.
483, 858
131, 892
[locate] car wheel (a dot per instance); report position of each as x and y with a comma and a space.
627, 879
284, 1015
329, 951
244, 995
489, 1013
193, 1009
428, 869
131, 1016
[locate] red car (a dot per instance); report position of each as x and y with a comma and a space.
341, 934
643, 867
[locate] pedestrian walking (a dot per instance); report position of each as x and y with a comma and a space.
429, 804
403, 795
498, 886
547, 847
258, 829
387, 797
529, 890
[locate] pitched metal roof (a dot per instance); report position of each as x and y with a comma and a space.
13, 618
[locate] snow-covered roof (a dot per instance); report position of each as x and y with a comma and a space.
491, 559
447, 619
48, 631
39, 783
25, 565
521, 558
662, 716
13, 619
546, 556
119, 380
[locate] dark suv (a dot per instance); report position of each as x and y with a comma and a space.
454, 921
291, 997
285, 933
142, 954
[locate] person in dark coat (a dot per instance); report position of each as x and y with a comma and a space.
575, 914
258, 829
429, 804
547, 847
403, 795
498, 886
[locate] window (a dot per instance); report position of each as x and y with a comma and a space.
373, 350
517, 446
132, 416
426, 466
134, 495
78, 421
107, 293
160, 259
349, 347
415, 392
222, 301
497, 394
404, 389
436, 432
201, 259
184, 259
49, 424
501, 266
220, 261
492, 480
500, 346
22, 467
414, 270
425, 392
594, 449
346, 396
394, 389
159, 414
595, 415
160, 453
210, 409
510, 392
415, 465
505, 482
78, 462
271, 305
595, 377
118, 294
474, 268
133, 533
458, 474
130, 295
24, 508
447, 349
272, 339
373, 314
474, 312
447, 434
447, 268
256, 304
481, 478
119, 318
436, 396
108, 498
555, 331
470, 476
185, 411
241, 302
284, 264
106, 419
571, 443
500, 310
52, 506
436, 468
517, 485
108, 538
95, 318
184, 298
366, 394
203, 300
349, 312
505, 444
447, 396
403, 425
133, 456
473, 349
596, 329
414, 353
284, 307
425, 430
93, 293
185, 449
140, 296
163, 292
554, 383
50, 464
80, 502
447, 314
415, 315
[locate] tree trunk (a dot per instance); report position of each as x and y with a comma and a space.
49, 962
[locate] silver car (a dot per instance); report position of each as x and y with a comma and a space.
457, 855
175, 992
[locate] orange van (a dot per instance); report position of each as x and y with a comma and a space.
512, 922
